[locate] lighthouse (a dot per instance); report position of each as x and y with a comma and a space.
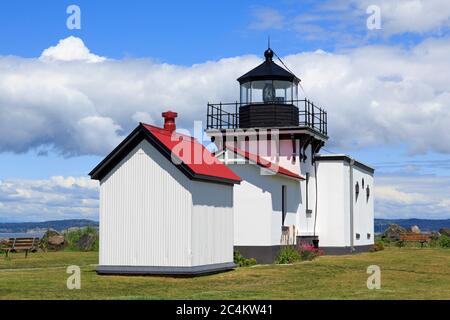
271, 138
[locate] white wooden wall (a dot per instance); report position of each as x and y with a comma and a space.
212, 223
257, 206
363, 208
333, 218
145, 212
151, 214
333, 214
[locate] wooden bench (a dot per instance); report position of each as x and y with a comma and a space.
21, 244
416, 237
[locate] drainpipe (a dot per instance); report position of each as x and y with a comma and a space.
352, 248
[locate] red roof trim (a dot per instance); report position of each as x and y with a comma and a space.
265, 163
161, 139
198, 159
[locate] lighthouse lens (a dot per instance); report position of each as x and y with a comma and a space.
268, 93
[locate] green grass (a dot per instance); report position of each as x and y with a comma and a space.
407, 273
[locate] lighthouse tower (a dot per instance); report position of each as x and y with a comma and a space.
276, 131
270, 111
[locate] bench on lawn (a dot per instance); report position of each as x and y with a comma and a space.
416, 237
21, 244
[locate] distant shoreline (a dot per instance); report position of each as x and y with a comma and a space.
21, 235
425, 225
42, 227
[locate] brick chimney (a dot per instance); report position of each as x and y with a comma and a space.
169, 120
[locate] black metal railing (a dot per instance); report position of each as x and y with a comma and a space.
226, 115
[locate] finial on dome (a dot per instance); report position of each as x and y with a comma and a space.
268, 54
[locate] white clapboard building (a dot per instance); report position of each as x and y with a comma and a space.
169, 206
304, 197
160, 211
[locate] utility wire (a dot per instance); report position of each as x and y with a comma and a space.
279, 59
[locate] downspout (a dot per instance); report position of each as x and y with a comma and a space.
352, 248
316, 241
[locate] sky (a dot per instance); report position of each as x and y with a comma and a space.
68, 96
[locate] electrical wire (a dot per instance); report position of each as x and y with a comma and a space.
279, 59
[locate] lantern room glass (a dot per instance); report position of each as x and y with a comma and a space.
269, 91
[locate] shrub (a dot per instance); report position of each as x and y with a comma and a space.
400, 244
308, 252
444, 241
241, 261
378, 246
288, 255
84, 239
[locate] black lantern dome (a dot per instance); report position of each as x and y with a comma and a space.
268, 99
268, 70
268, 96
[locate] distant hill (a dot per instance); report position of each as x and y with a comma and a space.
423, 224
58, 225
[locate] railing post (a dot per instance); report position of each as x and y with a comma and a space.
306, 114
321, 120
207, 116
217, 117
235, 116
220, 116
309, 114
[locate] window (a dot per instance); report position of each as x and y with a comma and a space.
362, 183
246, 93
268, 91
283, 203
357, 190
367, 193
368, 236
358, 236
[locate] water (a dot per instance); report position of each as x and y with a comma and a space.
21, 235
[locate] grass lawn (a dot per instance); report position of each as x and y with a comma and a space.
406, 273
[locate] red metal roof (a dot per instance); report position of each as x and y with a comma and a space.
193, 154
265, 163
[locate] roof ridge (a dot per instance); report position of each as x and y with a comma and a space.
168, 133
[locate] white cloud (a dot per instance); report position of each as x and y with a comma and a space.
55, 198
89, 130
70, 49
393, 194
425, 197
417, 16
375, 95
345, 21
144, 117
267, 18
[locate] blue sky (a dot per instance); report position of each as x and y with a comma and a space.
61, 109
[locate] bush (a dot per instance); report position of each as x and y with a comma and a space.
84, 239
308, 252
444, 241
241, 261
400, 244
288, 255
378, 246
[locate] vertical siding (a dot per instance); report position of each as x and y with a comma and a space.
212, 223
145, 212
257, 206
363, 215
332, 218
